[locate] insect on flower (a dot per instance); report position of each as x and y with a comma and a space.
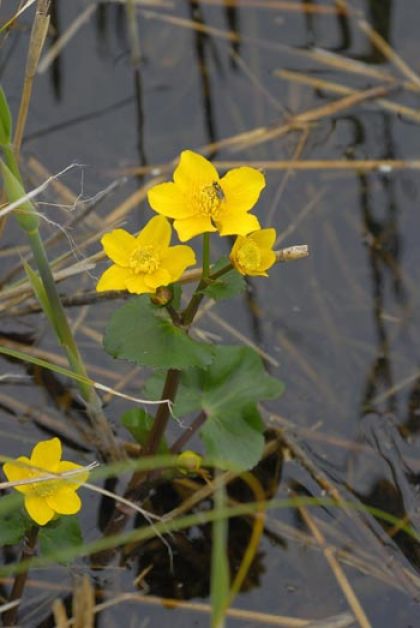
200, 201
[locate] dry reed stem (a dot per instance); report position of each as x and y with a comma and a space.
15, 294
23, 7
297, 154
281, 5
388, 52
83, 604
363, 165
337, 88
234, 613
59, 612
36, 44
46, 421
55, 358
56, 48
337, 570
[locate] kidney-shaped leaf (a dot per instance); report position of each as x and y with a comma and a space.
227, 391
145, 334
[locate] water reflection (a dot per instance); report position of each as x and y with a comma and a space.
343, 28
204, 47
232, 20
56, 66
184, 571
381, 231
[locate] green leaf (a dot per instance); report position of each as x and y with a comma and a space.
139, 423
144, 334
228, 392
60, 534
39, 290
5, 120
228, 285
234, 439
12, 524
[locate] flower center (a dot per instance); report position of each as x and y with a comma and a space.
144, 260
249, 257
210, 199
43, 489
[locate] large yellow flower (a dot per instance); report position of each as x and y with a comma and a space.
43, 500
146, 262
200, 201
253, 254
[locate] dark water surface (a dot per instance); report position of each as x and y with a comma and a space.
340, 328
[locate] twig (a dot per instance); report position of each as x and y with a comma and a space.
389, 53
338, 572
55, 50
338, 88
36, 44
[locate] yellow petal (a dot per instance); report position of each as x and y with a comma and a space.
136, 285
177, 259
168, 200
242, 188
16, 472
64, 501
38, 509
114, 278
75, 480
237, 224
194, 170
190, 227
159, 278
118, 245
265, 238
156, 233
268, 259
46, 454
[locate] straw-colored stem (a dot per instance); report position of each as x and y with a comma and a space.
36, 44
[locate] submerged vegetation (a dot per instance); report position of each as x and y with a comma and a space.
183, 465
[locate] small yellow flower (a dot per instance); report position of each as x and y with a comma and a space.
146, 262
253, 254
200, 201
43, 500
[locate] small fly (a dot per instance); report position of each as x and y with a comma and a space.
218, 189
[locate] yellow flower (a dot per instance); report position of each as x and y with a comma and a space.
146, 262
200, 201
43, 500
253, 254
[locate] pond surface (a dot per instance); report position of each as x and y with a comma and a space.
340, 328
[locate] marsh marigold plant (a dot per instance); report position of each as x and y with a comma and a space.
52, 497
253, 254
200, 201
144, 263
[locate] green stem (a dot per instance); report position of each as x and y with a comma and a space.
29, 544
163, 412
29, 222
190, 311
206, 256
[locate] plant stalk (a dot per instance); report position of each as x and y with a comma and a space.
29, 544
28, 220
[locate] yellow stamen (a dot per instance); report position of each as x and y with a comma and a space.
249, 257
144, 260
209, 200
